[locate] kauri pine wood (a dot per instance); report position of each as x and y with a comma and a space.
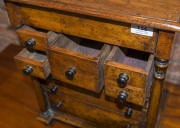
141, 11
164, 44
14, 14
104, 113
102, 21
41, 38
138, 76
88, 62
23, 105
37, 61
40, 95
20, 106
98, 29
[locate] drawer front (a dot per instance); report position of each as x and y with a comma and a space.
35, 39
35, 64
87, 70
94, 114
103, 30
92, 107
119, 63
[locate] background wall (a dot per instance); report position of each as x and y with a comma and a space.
9, 36
7, 32
173, 73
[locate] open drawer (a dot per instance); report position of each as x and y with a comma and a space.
78, 62
33, 63
128, 74
35, 38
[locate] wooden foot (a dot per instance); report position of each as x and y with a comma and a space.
56, 115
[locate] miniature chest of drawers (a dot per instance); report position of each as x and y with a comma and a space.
96, 63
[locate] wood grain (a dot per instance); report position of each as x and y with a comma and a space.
86, 66
96, 99
18, 100
39, 94
14, 14
139, 78
137, 75
76, 99
164, 44
40, 67
41, 38
135, 95
170, 116
98, 29
154, 103
100, 117
136, 12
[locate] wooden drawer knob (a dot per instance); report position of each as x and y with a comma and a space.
28, 70
30, 43
122, 96
54, 89
70, 73
128, 112
122, 80
128, 126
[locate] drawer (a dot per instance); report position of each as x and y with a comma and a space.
78, 62
33, 63
97, 115
99, 29
78, 103
35, 38
128, 73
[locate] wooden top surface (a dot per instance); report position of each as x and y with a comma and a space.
161, 14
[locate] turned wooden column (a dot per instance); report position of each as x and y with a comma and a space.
159, 76
162, 55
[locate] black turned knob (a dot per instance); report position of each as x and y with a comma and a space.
28, 70
30, 43
122, 96
70, 73
122, 80
50, 78
128, 126
54, 89
128, 112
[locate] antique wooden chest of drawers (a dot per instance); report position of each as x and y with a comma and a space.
96, 63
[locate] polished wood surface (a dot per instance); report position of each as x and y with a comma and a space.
14, 14
41, 38
164, 44
157, 14
18, 100
38, 61
39, 94
18, 105
84, 26
110, 17
86, 61
170, 116
138, 70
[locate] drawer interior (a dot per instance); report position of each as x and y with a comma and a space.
38, 56
84, 46
84, 56
129, 57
